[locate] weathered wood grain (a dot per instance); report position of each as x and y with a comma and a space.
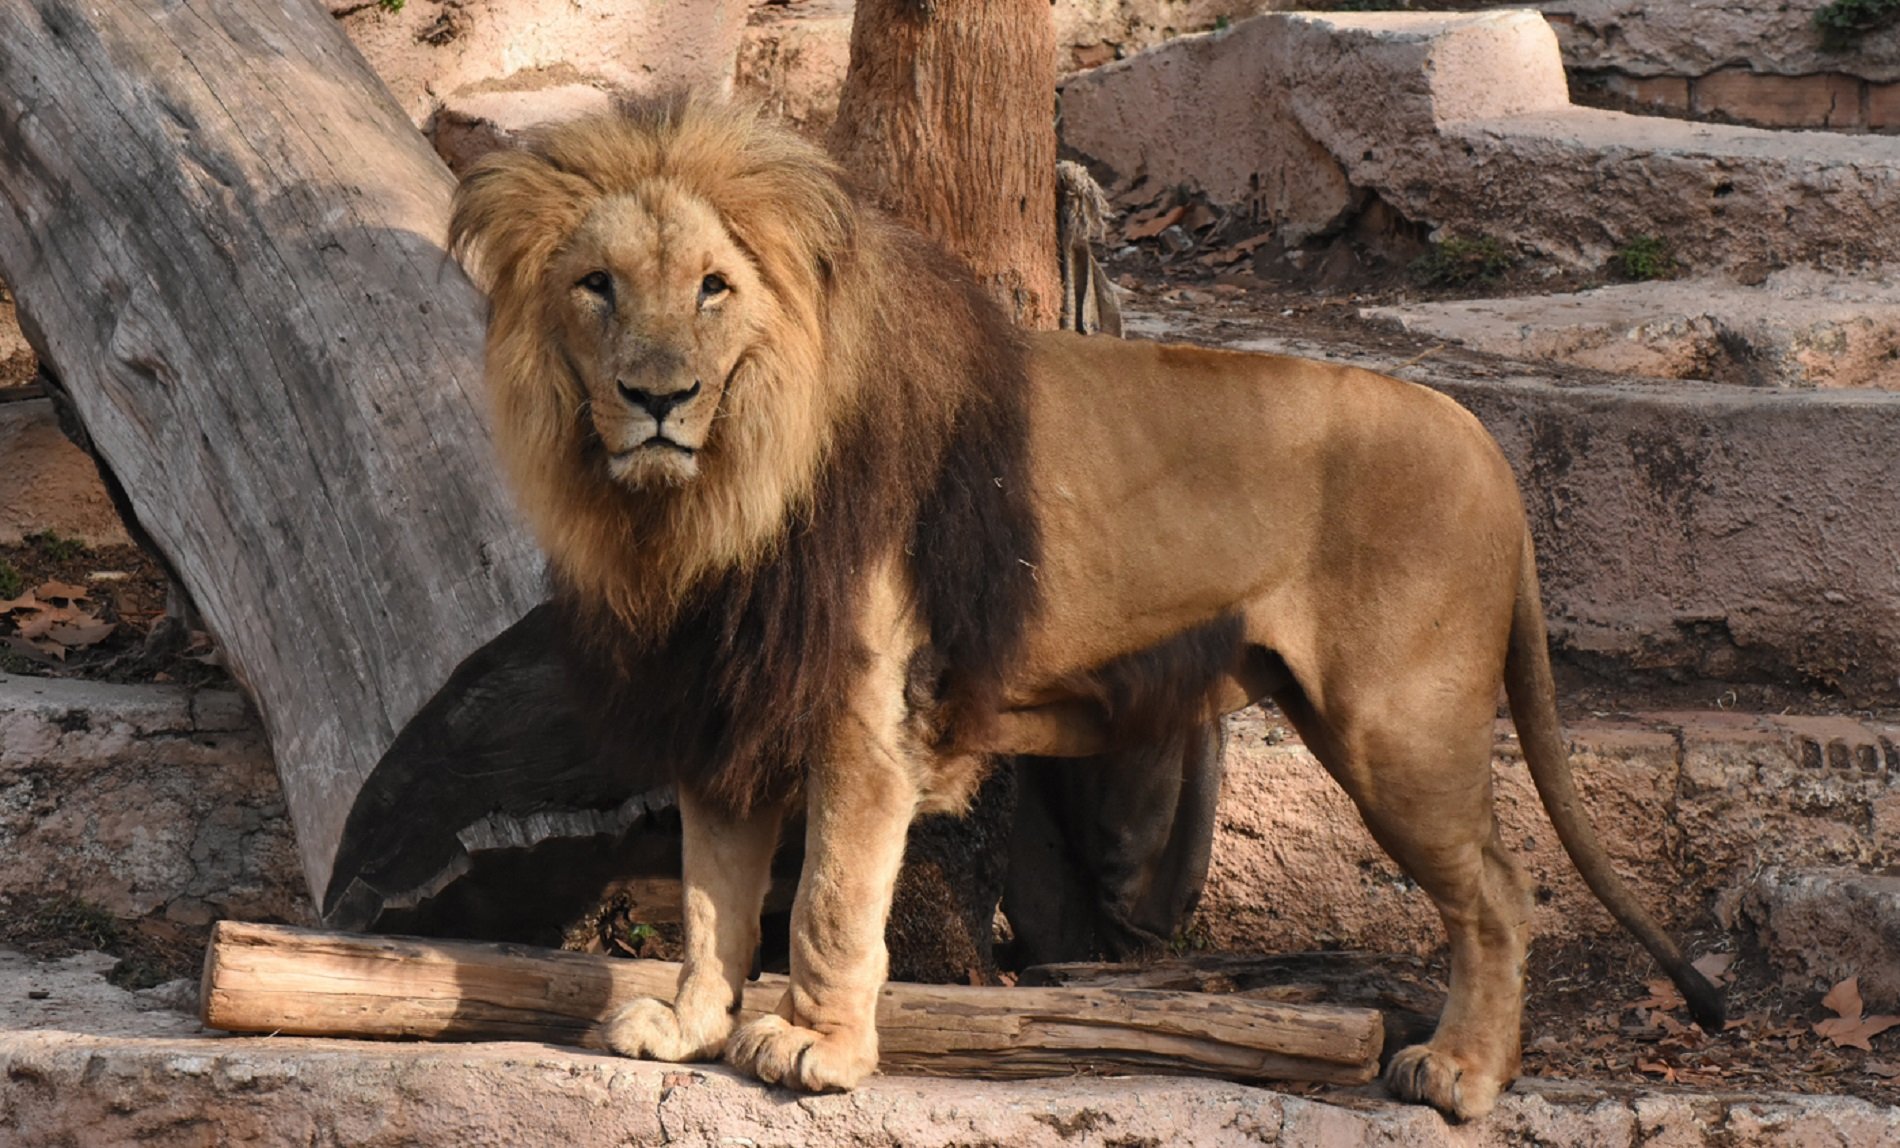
274, 979
226, 241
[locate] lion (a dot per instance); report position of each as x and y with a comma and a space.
827, 532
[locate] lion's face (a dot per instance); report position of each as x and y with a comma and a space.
660, 308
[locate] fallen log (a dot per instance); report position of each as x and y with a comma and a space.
301, 982
1401, 987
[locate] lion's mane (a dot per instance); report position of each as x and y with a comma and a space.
882, 416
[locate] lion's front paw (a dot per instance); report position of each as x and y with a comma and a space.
1426, 1075
651, 1030
780, 1052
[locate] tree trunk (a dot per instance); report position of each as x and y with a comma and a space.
226, 242
947, 119
299, 982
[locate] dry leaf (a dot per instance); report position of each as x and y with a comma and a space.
1715, 967
1851, 1029
64, 590
1658, 1068
1662, 995
46, 653
1198, 216
1148, 227
23, 602
35, 628
1882, 1069
77, 635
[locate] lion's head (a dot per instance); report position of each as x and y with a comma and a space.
657, 348
726, 395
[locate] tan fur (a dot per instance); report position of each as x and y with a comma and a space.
1359, 539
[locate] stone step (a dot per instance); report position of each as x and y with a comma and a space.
1643, 38
1471, 132
1797, 329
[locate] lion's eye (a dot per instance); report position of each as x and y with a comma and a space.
598, 283
712, 287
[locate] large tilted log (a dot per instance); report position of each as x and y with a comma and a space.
272, 979
226, 244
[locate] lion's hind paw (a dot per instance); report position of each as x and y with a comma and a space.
651, 1030
780, 1052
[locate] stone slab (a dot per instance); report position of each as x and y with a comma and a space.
1796, 329
143, 800
1697, 37
1472, 133
123, 1068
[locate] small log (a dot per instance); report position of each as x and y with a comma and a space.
302, 982
1401, 987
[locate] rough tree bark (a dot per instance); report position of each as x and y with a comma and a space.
225, 240
948, 120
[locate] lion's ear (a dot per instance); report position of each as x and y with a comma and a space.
512, 211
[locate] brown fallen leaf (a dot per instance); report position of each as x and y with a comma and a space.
1150, 226
1883, 1069
80, 634
65, 590
1199, 216
24, 602
35, 627
1715, 967
1850, 1029
45, 653
1662, 995
1657, 1068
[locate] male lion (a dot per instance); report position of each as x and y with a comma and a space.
827, 531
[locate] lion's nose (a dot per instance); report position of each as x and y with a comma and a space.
658, 403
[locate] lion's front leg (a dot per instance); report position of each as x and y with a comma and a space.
726, 862
824, 1036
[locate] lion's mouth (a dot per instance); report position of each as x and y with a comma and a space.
656, 442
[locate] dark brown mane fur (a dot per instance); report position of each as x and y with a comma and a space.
740, 686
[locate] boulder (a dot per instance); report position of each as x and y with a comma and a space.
1472, 133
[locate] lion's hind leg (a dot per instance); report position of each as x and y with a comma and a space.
1421, 777
726, 861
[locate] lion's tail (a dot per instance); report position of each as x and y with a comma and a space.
1527, 682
